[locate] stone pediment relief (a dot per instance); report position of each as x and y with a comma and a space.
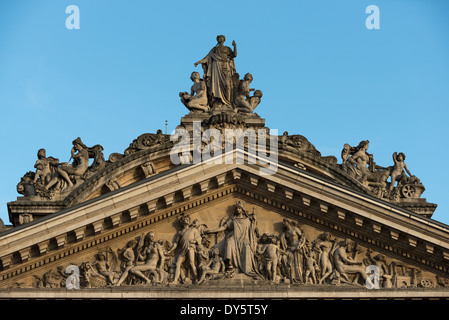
97, 234
220, 243
218, 101
171, 211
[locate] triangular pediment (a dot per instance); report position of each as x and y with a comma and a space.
223, 202
416, 249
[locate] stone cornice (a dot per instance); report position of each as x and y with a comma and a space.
239, 291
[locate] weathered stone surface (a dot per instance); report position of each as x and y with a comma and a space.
140, 225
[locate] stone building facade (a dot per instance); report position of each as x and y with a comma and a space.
224, 208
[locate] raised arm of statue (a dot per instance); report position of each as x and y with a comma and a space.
394, 157
235, 48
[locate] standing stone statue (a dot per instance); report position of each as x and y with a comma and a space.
241, 242
184, 247
292, 242
219, 68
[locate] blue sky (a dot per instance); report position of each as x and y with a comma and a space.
323, 74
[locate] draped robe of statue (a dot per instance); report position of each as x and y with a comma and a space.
219, 69
292, 242
240, 244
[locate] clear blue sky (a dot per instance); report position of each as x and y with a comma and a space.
322, 72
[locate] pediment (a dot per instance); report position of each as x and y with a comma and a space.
416, 249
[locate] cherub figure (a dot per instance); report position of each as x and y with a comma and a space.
44, 173
128, 257
242, 98
103, 267
271, 254
311, 265
398, 174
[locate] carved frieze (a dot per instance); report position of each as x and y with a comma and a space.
244, 243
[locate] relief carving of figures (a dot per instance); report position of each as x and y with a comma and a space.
103, 271
213, 269
51, 279
270, 254
153, 261
385, 272
185, 247
292, 256
128, 258
346, 265
311, 268
143, 261
241, 242
292, 243
325, 246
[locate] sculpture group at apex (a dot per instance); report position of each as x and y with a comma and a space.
221, 100
220, 89
138, 218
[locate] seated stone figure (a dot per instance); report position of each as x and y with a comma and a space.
245, 103
345, 265
196, 101
45, 167
78, 168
